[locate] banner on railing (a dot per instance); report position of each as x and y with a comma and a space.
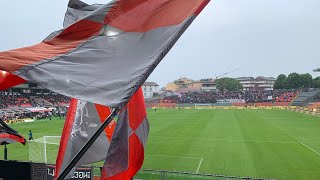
83, 173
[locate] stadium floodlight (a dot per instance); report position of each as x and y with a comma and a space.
317, 70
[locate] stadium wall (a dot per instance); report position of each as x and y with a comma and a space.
14, 170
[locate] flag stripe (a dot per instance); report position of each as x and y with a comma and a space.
78, 10
66, 41
202, 5
146, 15
126, 154
135, 113
143, 131
117, 157
136, 157
11, 138
104, 112
8, 80
66, 133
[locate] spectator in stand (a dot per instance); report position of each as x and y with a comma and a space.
31, 99
249, 97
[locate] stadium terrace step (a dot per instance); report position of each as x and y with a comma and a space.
305, 97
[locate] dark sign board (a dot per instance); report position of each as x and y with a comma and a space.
83, 173
15, 170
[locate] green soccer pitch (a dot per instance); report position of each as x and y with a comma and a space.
276, 144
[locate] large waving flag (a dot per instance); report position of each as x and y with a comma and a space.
107, 54
82, 122
8, 80
9, 136
126, 153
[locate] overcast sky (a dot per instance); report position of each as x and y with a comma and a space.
261, 37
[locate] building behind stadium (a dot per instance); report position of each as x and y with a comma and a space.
259, 83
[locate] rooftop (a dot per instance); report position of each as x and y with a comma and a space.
150, 84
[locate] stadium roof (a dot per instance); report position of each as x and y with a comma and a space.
150, 84
317, 70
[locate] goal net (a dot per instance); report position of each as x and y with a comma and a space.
44, 150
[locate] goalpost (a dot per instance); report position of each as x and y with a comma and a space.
44, 150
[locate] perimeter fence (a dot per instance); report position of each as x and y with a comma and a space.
41, 171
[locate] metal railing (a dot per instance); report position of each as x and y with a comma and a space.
176, 175
150, 174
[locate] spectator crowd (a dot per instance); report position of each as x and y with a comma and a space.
31, 100
248, 97
55, 100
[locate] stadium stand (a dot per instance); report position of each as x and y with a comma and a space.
19, 106
305, 97
239, 98
10, 103
31, 100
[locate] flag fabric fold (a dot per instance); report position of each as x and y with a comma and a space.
126, 152
9, 136
8, 80
82, 121
105, 52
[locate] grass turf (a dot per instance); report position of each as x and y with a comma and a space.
258, 143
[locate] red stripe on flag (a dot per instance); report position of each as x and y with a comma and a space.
145, 15
136, 155
16, 138
104, 112
202, 6
69, 39
136, 158
8, 80
66, 134
137, 113
137, 109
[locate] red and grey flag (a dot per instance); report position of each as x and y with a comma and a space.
9, 136
126, 153
8, 80
83, 120
108, 52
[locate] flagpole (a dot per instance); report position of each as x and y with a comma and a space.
5, 152
85, 148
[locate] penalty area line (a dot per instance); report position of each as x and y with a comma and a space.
310, 148
230, 140
199, 166
182, 157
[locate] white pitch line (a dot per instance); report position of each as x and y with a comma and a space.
230, 140
183, 157
199, 166
310, 148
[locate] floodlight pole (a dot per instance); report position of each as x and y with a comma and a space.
85, 148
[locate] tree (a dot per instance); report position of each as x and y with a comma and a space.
316, 82
306, 80
281, 82
228, 84
294, 81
